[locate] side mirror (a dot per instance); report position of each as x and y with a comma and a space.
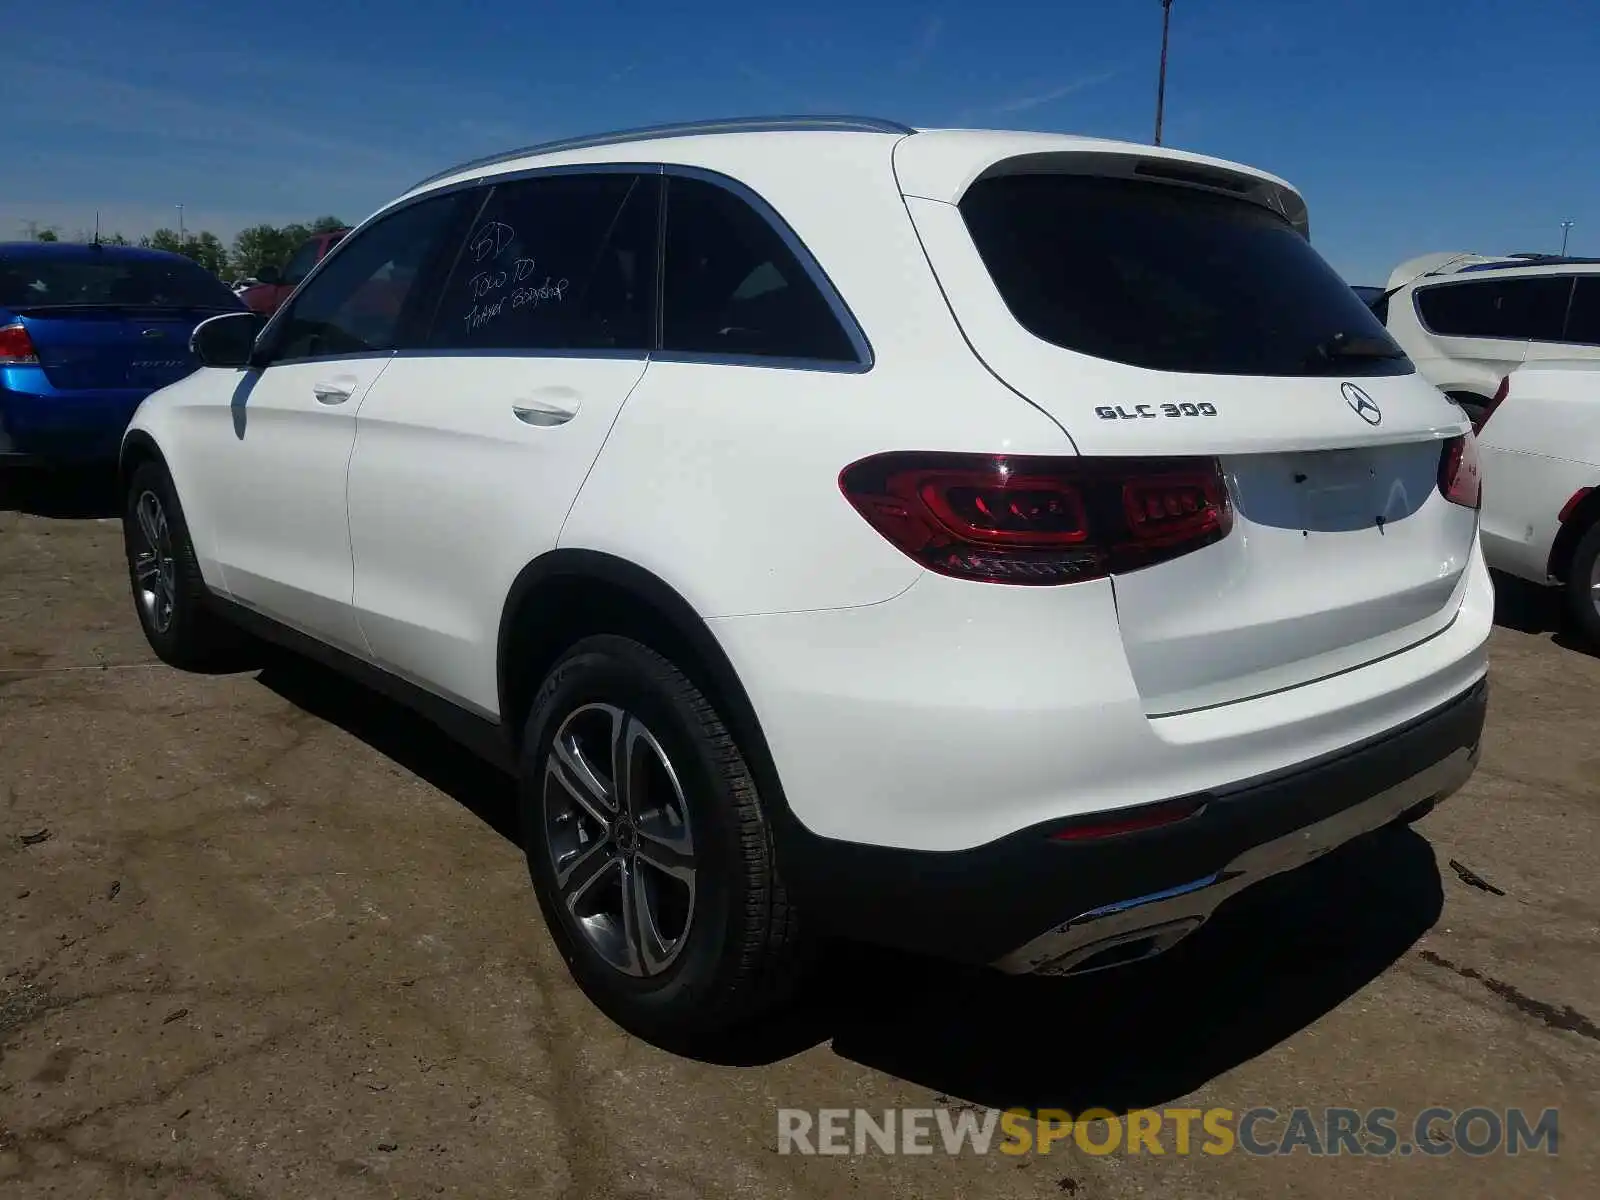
269, 275
226, 341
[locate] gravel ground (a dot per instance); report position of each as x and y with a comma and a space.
268, 935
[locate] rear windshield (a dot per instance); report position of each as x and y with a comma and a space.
47, 282
1170, 278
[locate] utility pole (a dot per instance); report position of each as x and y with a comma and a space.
180, 225
1161, 81
1566, 228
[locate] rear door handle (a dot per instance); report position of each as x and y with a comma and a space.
545, 413
333, 391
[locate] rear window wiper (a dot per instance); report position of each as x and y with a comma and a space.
1343, 346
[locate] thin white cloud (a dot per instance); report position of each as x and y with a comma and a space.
1037, 99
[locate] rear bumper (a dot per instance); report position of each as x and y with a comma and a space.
1026, 903
38, 423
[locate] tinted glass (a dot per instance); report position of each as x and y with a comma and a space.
1166, 277
564, 262
357, 302
1583, 318
1519, 309
301, 262
31, 281
732, 286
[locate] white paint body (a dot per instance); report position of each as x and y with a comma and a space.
1540, 448
902, 708
1473, 366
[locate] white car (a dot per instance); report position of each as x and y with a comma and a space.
1467, 320
1540, 441
1000, 545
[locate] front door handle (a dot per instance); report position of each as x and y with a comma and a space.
543, 413
333, 391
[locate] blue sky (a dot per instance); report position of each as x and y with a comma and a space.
1410, 125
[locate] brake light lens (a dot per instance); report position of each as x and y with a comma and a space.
16, 347
1133, 820
1460, 479
1039, 521
1500, 393
1570, 508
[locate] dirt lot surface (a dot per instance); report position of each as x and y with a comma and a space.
266, 935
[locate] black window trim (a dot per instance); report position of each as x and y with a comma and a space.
1478, 281
863, 362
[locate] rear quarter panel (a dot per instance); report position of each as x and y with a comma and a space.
723, 479
1541, 445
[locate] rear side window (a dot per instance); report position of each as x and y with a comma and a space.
1583, 319
1168, 278
110, 279
1531, 308
559, 262
732, 286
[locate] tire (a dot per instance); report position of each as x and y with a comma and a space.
1583, 586
169, 595
711, 952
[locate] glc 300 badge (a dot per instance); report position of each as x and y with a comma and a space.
1133, 412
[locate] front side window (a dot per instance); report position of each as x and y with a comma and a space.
356, 304
1170, 278
1530, 308
732, 286
556, 262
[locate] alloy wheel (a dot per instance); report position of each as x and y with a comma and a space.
617, 828
155, 571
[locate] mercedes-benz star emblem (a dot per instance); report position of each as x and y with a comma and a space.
1363, 405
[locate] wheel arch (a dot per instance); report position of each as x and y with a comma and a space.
1584, 515
566, 594
138, 447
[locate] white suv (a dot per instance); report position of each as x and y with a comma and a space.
1467, 320
1540, 437
1000, 545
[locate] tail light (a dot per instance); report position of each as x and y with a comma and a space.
1460, 479
1039, 521
16, 347
1500, 393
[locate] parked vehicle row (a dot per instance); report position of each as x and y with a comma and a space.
1003, 546
86, 333
1517, 339
1467, 320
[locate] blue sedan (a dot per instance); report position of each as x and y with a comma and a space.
86, 333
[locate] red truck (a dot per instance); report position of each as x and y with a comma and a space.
274, 286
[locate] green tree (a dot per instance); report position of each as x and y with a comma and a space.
207, 249
163, 239
48, 235
327, 225
261, 246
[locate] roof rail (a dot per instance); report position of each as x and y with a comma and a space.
683, 129
1512, 261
